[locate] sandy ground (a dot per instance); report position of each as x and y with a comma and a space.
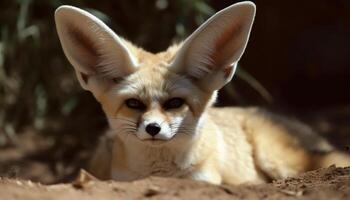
331, 183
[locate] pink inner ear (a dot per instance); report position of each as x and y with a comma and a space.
84, 47
225, 44
80, 39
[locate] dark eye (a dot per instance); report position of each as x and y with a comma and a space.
174, 103
117, 80
135, 104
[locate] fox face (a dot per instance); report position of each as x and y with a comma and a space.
153, 104
155, 98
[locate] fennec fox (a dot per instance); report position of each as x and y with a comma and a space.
159, 105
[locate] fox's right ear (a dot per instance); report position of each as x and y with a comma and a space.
96, 52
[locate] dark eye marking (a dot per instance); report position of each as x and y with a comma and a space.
173, 103
135, 104
117, 80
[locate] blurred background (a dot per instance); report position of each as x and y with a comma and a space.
297, 62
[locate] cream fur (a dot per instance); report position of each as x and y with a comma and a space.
227, 145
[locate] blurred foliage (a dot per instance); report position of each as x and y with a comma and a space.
35, 85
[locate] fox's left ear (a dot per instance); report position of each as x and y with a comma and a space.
210, 54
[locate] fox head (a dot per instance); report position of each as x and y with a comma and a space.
155, 98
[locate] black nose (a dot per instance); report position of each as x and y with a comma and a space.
153, 129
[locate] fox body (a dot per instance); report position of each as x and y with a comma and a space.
159, 105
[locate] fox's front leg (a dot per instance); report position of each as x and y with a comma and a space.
207, 173
209, 176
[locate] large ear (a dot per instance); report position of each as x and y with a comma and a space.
93, 49
210, 54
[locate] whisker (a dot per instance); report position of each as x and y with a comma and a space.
123, 128
123, 119
182, 128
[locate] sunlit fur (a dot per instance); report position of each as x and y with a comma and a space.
196, 141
